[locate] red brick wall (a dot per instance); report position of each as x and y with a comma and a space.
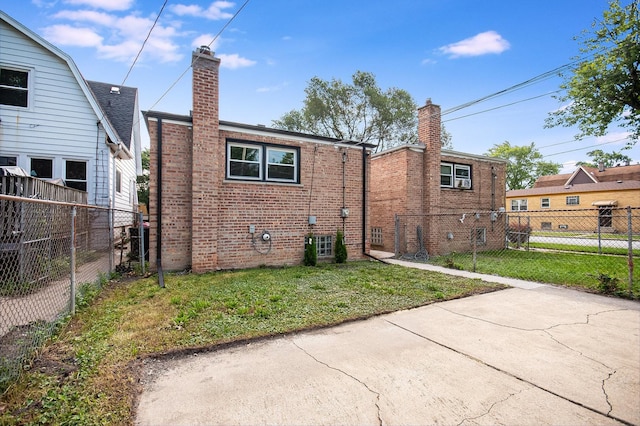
176, 193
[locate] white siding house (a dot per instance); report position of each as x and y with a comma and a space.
55, 124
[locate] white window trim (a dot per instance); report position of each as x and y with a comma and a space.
294, 166
573, 197
263, 162
259, 162
520, 202
86, 179
30, 78
454, 176
542, 206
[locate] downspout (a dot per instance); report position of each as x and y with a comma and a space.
159, 210
95, 192
364, 200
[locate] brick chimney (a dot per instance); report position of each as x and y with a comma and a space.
429, 126
204, 167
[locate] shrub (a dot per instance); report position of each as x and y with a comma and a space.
606, 284
341, 248
310, 250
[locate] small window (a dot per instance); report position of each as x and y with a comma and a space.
244, 161
324, 245
42, 168
281, 165
376, 236
545, 203
446, 175
573, 200
480, 235
76, 174
519, 205
8, 161
14, 87
118, 181
546, 226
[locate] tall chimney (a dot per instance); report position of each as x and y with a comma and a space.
429, 133
205, 161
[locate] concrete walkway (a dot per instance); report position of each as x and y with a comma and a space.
532, 354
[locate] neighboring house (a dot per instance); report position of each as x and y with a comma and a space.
432, 188
226, 195
599, 189
56, 125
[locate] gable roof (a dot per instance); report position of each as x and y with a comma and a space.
109, 128
576, 189
119, 107
587, 175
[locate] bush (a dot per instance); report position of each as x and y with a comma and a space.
310, 251
341, 248
606, 283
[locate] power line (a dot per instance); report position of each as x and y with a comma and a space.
196, 59
586, 147
144, 43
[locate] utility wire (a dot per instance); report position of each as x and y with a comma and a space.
144, 43
586, 147
195, 60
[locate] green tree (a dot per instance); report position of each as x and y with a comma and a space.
445, 138
525, 164
310, 251
143, 181
360, 111
605, 89
341, 248
607, 159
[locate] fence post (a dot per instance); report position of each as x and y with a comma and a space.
396, 240
72, 301
630, 242
141, 247
112, 220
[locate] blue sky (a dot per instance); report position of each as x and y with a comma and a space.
451, 51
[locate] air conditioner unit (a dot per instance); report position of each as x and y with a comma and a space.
463, 183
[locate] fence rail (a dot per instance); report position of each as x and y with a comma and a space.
483, 240
51, 254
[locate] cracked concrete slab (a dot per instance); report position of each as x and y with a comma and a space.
538, 356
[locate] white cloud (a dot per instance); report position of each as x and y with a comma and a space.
72, 36
428, 62
204, 40
275, 88
213, 12
99, 18
103, 4
480, 44
234, 61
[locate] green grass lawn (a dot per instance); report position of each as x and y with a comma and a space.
568, 269
88, 374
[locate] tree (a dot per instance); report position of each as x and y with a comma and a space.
360, 111
607, 159
341, 248
445, 138
143, 181
605, 89
525, 164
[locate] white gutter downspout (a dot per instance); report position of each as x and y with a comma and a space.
112, 206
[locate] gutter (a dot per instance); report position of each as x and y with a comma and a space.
159, 210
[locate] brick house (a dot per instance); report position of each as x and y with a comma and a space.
432, 188
226, 195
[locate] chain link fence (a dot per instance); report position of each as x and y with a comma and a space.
588, 245
52, 254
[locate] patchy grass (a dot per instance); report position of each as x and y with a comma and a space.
87, 375
578, 270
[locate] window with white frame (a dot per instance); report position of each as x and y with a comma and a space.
14, 87
76, 174
519, 205
42, 168
324, 245
545, 203
262, 162
573, 200
118, 181
8, 160
455, 175
480, 236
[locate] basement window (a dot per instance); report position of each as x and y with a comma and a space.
376, 236
261, 162
324, 245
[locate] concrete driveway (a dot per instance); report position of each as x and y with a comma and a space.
532, 355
